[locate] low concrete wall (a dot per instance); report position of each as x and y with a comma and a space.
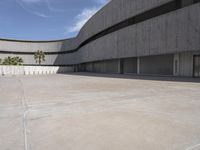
33, 70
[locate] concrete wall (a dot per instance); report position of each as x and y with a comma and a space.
30, 46
32, 70
183, 63
174, 32
186, 63
115, 12
179, 64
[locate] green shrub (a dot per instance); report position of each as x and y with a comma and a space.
13, 61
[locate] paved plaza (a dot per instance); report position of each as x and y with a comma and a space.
97, 112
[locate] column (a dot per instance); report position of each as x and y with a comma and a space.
138, 65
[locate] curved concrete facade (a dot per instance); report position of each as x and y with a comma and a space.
125, 29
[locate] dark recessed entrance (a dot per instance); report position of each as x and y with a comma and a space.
196, 67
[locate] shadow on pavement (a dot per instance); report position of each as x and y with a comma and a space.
139, 77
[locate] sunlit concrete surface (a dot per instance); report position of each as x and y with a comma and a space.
92, 112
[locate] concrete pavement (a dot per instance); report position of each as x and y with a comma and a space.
83, 112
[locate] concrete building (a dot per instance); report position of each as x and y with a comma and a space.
151, 37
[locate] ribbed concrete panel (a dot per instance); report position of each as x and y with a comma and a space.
89, 67
102, 48
193, 28
143, 39
126, 43
130, 65
182, 28
30, 46
69, 44
171, 32
67, 59
186, 64
110, 66
157, 35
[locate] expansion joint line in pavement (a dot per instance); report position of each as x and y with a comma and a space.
26, 111
193, 147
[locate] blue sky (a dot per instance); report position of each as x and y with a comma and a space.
45, 19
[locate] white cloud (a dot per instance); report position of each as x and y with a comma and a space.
103, 2
52, 8
25, 5
84, 16
31, 6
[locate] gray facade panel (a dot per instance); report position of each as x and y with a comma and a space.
107, 66
143, 35
194, 28
30, 46
171, 32
161, 65
186, 64
157, 42
130, 65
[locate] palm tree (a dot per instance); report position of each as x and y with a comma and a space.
39, 57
